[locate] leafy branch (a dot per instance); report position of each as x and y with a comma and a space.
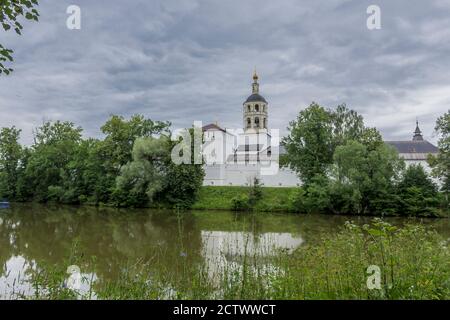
10, 12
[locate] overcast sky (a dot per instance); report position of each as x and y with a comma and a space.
193, 60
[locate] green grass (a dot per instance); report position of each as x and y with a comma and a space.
220, 198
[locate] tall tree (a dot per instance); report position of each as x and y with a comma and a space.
115, 150
309, 144
152, 175
441, 162
55, 146
10, 12
363, 177
10, 155
143, 178
317, 132
121, 135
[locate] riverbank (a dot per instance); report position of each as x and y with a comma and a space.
221, 198
271, 199
236, 198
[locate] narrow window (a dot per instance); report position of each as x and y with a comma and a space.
257, 108
256, 122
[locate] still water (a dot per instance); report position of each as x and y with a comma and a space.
34, 235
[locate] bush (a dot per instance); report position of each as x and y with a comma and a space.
240, 203
415, 202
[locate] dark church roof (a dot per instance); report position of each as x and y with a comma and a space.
256, 97
212, 126
415, 146
416, 149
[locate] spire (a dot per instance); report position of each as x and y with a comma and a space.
255, 85
417, 133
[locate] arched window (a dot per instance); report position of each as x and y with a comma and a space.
249, 109
256, 107
265, 123
249, 122
256, 122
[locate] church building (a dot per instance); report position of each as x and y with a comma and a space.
415, 151
236, 157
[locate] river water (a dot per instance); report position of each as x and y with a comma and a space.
33, 235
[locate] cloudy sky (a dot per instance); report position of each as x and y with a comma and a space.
193, 60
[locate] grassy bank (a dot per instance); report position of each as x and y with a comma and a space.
221, 198
414, 263
292, 199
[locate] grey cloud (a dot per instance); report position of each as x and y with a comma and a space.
192, 60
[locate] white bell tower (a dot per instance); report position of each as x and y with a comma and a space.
255, 110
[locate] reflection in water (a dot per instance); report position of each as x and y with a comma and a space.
14, 280
235, 244
34, 236
229, 249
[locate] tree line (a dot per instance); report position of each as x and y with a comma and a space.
346, 167
130, 166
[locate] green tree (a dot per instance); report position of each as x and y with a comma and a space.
10, 156
115, 150
441, 163
49, 164
152, 176
317, 132
10, 12
141, 179
414, 201
417, 194
120, 135
93, 164
415, 176
309, 144
363, 179
23, 188
347, 125
314, 197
